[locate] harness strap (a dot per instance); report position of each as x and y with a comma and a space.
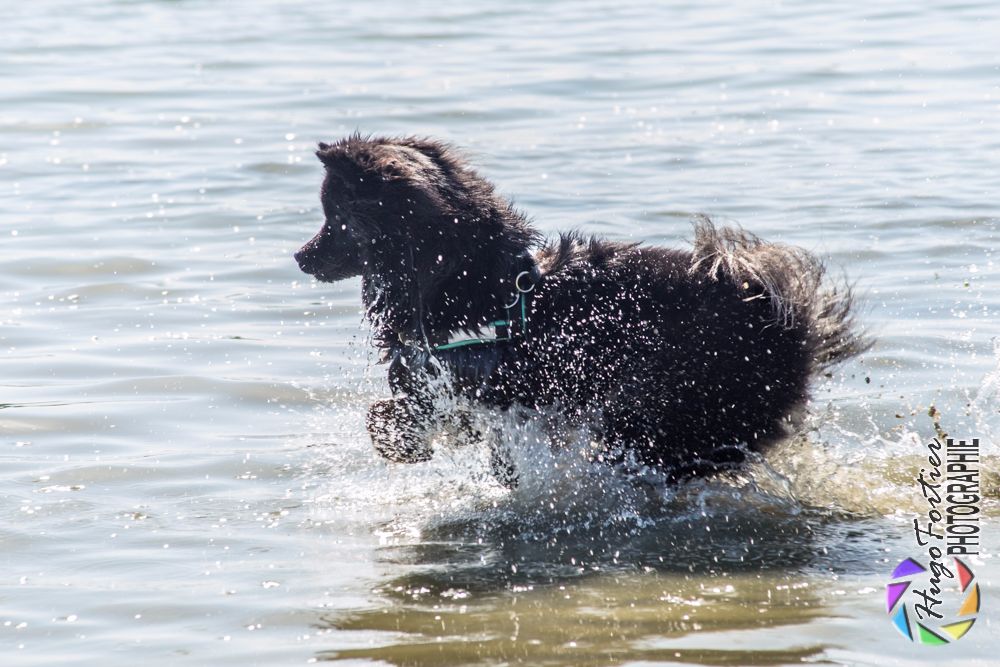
505, 330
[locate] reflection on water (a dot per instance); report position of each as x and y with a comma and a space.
602, 618
583, 565
586, 564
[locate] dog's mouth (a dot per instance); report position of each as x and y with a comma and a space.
328, 273
324, 270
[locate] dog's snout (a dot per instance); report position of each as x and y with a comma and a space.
331, 255
306, 258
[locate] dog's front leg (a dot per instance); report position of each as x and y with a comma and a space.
502, 461
401, 429
462, 429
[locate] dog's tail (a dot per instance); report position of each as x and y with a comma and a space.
793, 279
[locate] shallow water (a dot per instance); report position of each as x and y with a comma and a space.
185, 475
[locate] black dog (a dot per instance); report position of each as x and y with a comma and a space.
682, 359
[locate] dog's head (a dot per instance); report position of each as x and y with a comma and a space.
420, 226
382, 195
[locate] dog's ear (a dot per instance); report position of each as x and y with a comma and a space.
438, 152
323, 152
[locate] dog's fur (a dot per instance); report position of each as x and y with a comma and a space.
682, 359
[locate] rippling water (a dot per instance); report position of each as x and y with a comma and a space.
185, 474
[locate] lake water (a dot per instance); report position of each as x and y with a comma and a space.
184, 472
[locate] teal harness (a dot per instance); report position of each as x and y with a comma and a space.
508, 329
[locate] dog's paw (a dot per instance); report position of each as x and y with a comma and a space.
397, 431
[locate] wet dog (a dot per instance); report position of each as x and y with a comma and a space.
682, 359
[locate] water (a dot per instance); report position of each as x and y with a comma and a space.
185, 474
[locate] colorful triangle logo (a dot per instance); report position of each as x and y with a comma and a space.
930, 638
902, 622
943, 634
958, 630
907, 567
964, 574
971, 604
893, 592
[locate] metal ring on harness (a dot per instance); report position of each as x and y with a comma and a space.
517, 283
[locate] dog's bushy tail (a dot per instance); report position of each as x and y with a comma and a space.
793, 279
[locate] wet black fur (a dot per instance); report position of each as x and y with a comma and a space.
685, 358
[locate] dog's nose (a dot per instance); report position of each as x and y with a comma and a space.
305, 260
